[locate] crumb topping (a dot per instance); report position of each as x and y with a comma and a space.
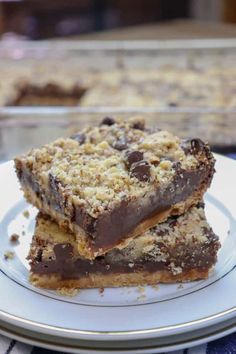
100, 166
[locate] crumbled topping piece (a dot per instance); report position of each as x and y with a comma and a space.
26, 214
175, 269
9, 255
14, 238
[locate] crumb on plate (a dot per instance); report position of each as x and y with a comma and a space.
156, 287
180, 286
101, 290
9, 255
141, 297
14, 238
26, 214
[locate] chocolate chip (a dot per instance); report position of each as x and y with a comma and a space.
139, 125
193, 146
141, 170
200, 205
80, 137
197, 145
108, 121
133, 156
14, 238
121, 144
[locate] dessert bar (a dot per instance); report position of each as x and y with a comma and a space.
112, 182
183, 248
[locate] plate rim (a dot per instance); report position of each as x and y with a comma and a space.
189, 343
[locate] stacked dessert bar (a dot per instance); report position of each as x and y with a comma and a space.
119, 204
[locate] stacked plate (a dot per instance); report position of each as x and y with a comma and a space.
124, 320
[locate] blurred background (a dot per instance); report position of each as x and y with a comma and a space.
64, 64
40, 19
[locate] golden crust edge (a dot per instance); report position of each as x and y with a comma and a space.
98, 280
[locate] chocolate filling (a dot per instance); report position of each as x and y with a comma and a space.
114, 225
68, 266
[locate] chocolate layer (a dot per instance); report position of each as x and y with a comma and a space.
69, 268
179, 245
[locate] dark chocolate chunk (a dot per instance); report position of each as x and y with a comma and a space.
139, 125
80, 137
197, 145
141, 170
133, 156
193, 146
200, 205
108, 121
63, 251
121, 144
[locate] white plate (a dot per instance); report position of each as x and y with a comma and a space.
171, 343
118, 314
